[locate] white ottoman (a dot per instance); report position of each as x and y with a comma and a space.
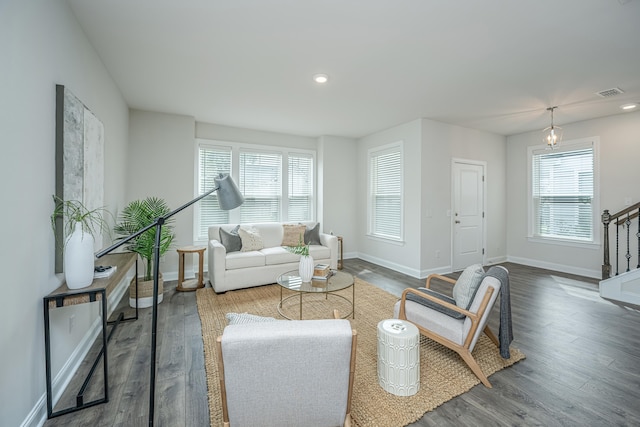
398, 357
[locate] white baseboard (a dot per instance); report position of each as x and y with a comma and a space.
596, 274
350, 255
438, 270
391, 265
496, 260
38, 414
173, 275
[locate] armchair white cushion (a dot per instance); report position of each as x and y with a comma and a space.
287, 373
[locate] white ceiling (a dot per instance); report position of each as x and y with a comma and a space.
493, 65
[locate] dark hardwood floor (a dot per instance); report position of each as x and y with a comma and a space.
582, 366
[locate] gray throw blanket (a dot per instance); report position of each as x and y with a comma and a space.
505, 334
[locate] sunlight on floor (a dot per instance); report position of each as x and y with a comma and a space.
580, 289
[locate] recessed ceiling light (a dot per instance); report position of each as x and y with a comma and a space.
320, 78
627, 107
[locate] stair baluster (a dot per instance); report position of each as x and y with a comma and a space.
617, 248
627, 223
623, 218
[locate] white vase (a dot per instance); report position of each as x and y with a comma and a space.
305, 269
78, 259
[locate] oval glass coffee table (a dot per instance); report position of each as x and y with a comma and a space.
337, 282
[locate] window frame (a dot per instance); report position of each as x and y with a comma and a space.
236, 148
376, 152
566, 146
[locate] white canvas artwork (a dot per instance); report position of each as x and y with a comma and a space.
79, 156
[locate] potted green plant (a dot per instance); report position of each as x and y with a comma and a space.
305, 267
77, 226
134, 217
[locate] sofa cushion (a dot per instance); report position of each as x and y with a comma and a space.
278, 255
236, 260
293, 234
231, 239
251, 239
319, 252
467, 284
312, 235
271, 233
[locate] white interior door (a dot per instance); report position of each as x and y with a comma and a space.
468, 214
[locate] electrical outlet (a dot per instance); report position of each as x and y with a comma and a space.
437, 254
72, 322
627, 201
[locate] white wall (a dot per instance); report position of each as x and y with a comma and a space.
405, 256
492, 149
161, 164
429, 147
168, 143
338, 189
619, 174
41, 45
441, 143
250, 136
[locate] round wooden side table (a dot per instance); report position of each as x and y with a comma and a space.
192, 284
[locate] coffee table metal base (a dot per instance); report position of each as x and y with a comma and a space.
327, 294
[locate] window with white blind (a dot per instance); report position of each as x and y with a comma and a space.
385, 192
300, 200
212, 160
260, 181
278, 184
563, 192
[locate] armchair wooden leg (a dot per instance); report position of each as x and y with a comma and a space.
491, 336
347, 421
468, 358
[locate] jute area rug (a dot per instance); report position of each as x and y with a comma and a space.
443, 374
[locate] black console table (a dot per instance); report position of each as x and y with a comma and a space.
99, 290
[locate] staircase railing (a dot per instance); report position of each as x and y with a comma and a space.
623, 218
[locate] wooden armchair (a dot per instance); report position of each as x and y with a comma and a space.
438, 317
287, 373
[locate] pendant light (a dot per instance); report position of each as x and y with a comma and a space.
552, 134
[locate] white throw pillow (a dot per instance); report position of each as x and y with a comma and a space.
240, 318
467, 284
251, 240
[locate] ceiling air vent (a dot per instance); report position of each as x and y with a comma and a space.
608, 93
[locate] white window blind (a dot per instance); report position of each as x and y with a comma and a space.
212, 161
260, 181
278, 184
385, 185
563, 193
300, 197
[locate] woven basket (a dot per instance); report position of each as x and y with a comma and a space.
145, 287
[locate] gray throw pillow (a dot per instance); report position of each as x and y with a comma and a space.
467, 285
231, 239
434, 305
312, 235
240, 318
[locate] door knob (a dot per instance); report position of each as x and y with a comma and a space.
457, 222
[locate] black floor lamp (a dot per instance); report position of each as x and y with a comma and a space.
229, 197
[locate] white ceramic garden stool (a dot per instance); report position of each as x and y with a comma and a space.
398, 357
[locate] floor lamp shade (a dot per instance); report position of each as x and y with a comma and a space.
229, 197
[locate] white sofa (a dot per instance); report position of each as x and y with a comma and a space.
237, 270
